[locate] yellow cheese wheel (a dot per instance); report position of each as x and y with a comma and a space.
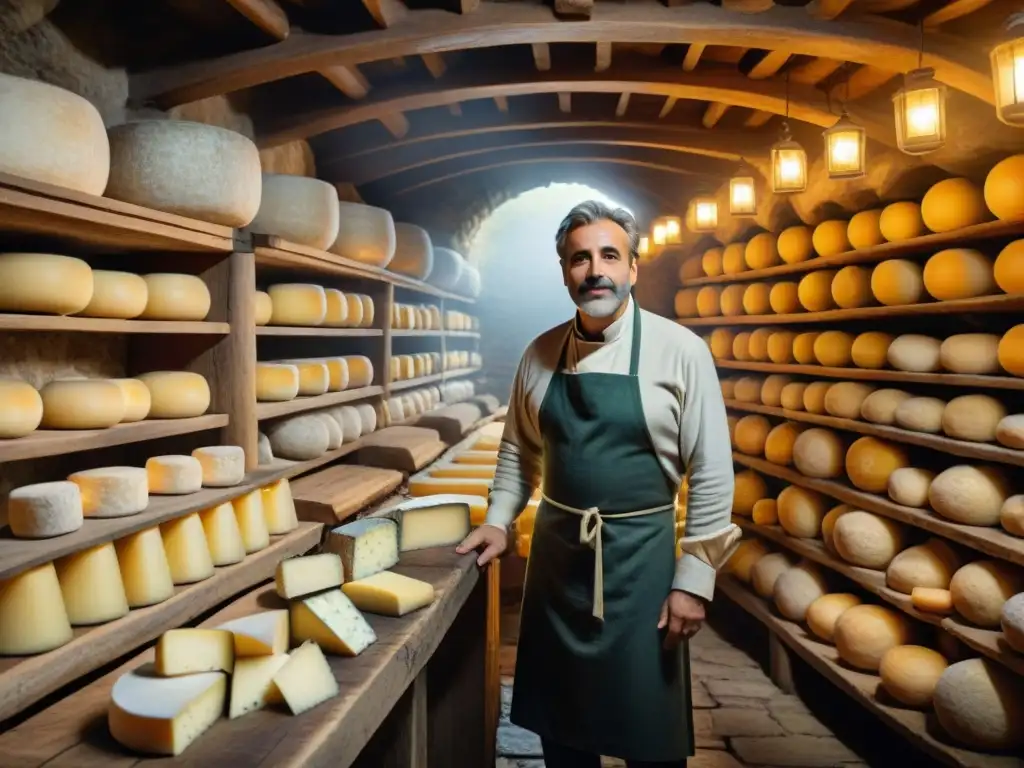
980, 706
176, 297
750, 434
780, 347
1011, 351
743, 560
748, 389
851, 287
757, 299
795, 590
902, 221
731, 300
870, 349
879, 407
870, 461
814, 396
914, 352
910, 674
864, 633
815, 290
264, 308
690, 269
749, 487
720, 343
803, 347
930, 565
959, 273
731, 421
176, 394
819, 453
741, 346
778, 445
733, 261
414, 252
137, 400
686, 302
824, 612
896, 282
832, 348
757, 344
795, 244
830, 238
784, 298
1010, 431
365, 234
980, 589
21, 408
337, 309
845, 399
867, 540
792, 396
762, 251
828, 524
120, 295
864, 230
765, 512
801, 511
708, 301
44, 283
953, 204
728, 388
973, 418
1004, 188
81, 404
771, 389
969, 494
711, 262
909, 486
1008, 270
767, 570
297, 304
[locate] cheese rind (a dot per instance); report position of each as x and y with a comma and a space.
300, 304
223, 538
337, 309
252, 683
251, 522
188, 651
21, 408
306, 679
174, 475
298, 576
119, 295
81, 404
176, 394
222, 465
389, 594
145, 572
137, 400
44, 510
44, 283
90, 581
187, 551
112, 491
175, 297
32, 614
435, 521
279, 507
365, 546
262, 634
332, 621
276, 382
360, 371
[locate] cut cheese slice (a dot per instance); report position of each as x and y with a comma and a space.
188, 651
298, 576
436, 521
90, 581
332, 621
164, 715
222, 465
262, 634
32, 615
432, 486
174, 475
472, 471
389, 594
145, 572
477, 457
251, 521
306, 679
224, 539
279, 507
187, 551
252, 684
112, 491
365, 546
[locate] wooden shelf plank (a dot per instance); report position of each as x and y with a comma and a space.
408, 333
288, 330
865, 374
300, 404
27, 679
914, 725
985, 304
421, 381
56, 442
923, 246
990, 541
462, 334
969, 450
68, 324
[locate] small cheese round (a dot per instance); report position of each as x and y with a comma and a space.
366, 319
731, 300
959, 273
929, 565
1011, 351
828, 524
743, 560
870, 349
870, 461
21, 408
264, 308
915, 353
795, 590
868, 540
1010, 431
299, 209
300, 438
784, 298
44, 283
953, 204
969, 495
920, 414
815, 290
792, 396
980, 588
780, 347
119, 295
751, 433
973, 353
175, 297
845, 399
814, 396
801, 511
81, 404
176, 394
174, 475
1004, 188
749, 487
112, 491
297, 304
748, 389
1008, 269
414, 252
803, 347
733, 261
897, 282
223, 465
365, 234
276, 382
1011, 515
757, 299
711, 262
335, 435
741, 346
796, 244
762, 251
778, 445
137, 400
909, 486
368, 416
771, 389
353, 311
685, 303
767, 570
973, 418
728, 387
689, 269
851, 287
864, 633
864, 230
720, 343
910, 674
932, 600
337, 309
314, 376
901, 221
830, 237
819, 453
879, 407
44, 510
1011, 621
824, 612
832, 348
980, 706
765, 512
708, 301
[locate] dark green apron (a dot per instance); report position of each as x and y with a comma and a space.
601, 685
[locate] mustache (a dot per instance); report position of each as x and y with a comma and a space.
596, 283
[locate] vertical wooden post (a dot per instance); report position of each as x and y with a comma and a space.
383, 321
235, 359
780, 667
492, 662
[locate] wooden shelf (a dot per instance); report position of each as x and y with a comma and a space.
51, 212
462, 334
27, 679
422, 381
969, 450
866, 374
286, 468
990, 541
986, 304
925, 245
290, 330
916, 726
300, 404
68, 324
407, 333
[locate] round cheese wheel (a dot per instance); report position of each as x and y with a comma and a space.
819, 453
980, 706
757, 299
1008, 270
814, 396
778, 445
901, 221
743, 560
365, 234
720, 343
762, 251
851, 287
43, 283
1004, 188
824, 612
414, 252
803, 347
337, 309
44, 510
751, 433
828, 524
1011, 621
792, 396
868, 540
920, 414
690, 269
870, 461
1010, 431
731, 421
191, 169
749, 487
897, 282
815, 290
21, 408
741, 346
796, 244
973, 353
973, 417
708, 303
299, 209
264, 308
795, 590
780, 347
299, 438
959, 273
930, 565
730, 300
176, 394
832, 348
864, 633
915, 353
52, 135
845, 399
686, 302
864, 229
953, 204
733, 261
81, 404
728, 387
771, 389
784, 298
879, 407
299, 304
748, 389
767, 570
830, 238
175, 297
137, 400
970, 495
711, 262
909, 486
1011, 351
801, 511
120, 295
765, 512
980, 588
910, 674
446, 273
871, 349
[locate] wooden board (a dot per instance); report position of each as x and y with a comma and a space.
453, 422
407, 449
300, 404
73, 732
25, 680
67, 324
335, 494
871, 374
292, 330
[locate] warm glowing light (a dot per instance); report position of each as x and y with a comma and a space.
789, 166
844, 149
658, 234
742, 196
920, 108
705, 214
645, 246
1007, 61
673, 230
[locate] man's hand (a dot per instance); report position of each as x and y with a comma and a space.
683, 614
492, 539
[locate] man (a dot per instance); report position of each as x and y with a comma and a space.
611, 409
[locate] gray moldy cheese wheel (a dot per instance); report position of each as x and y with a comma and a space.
930, 565
414, 253
970, 495
191, 169
52, 135
299, 209
365, 234
447, 270
469, 284
981, 705
972, 417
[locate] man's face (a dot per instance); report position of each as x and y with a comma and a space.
597, 268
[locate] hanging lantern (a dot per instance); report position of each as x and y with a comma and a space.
1008, 73
658, 234
742, 196
644, 247
844, 149
789, 164
673, 229
920, 107
705, 214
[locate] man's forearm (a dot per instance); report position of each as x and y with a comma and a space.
512, 487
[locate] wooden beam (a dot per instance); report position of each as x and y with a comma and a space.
748, 6
396, 123
953, 10
757, 118
713, 114
502, 103
574, 8
541, 56
692, 57
623, 105
565, 102
603, 57
827, 9
862, 82
386, 13
769, 66
265, 14
434, 63
670, 102
348, 80
884, 6
813, 71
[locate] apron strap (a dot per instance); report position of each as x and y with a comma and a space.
634, 352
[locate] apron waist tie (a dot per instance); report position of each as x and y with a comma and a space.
590, 534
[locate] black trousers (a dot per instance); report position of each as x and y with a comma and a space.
558, 756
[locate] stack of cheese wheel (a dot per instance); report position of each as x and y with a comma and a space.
365, 234
306, 304
414, 253
298, 209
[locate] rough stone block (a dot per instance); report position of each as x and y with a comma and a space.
699, 696
741, 689
797, 751
797, 722
704, 736
736, 721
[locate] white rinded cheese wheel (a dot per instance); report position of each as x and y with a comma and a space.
1011, 621
300, 438
1010, 431
909, 486
223, 465
823, 613
52, 135
797, 588
276, 382
191, 169
414, 253
266, 453
915, 353
119, 295
470, 285
354, 313
447, 270
368, 416
980, 705
337, 309
264, 308
112, 491
910, 674
975, 353
864, 633
335, 436
176, 394
337, 371
360, 371
930, 565
32, 615
21, 408
767, 570
44, 510
44, 283
81, 404
176, 297
174, 475
297, 304
920, 414
299, 209
314, 377
970, 495
365, 234
868, 540
348, 419
980, 589
91, 584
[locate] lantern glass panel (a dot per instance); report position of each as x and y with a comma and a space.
789, 167
658, 234
742, 196
673, 230
705, 214
1008, 78
920, 110
645, 246
845, 150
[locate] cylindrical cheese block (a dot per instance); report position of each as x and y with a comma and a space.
175, 297
299, 304
276, 382
902, 221
896, 282
750, 434
137, 399
21, 408
778, 445
973, 418
970, 495
972, 353
979, 590
1011, 621
930, 565
1010, 431
953, 204
879, 407
360, 371
824, 612
112, 491
959, 273
174, 475
815, 290
920, 414
176, 394
828, 524
815, 394
733, 261
187, 551
803, 347
120, 295
298, 209
868, 540
1011, 351
685, 304
708, 304
300, 438
32, 614
765, 512
81, 404
354, 311
44, 510
414, 253
910, 674
980, 706
747, 553
90, 581
832, 348
365, 234
870, 349
43, 283
731, 300
252, 523
223, 465
864, 633
264, 308
145, 572
851, 287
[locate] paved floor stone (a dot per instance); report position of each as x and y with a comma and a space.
734, 721
798, 751
699, 696
747, 689
704, 735
797, 722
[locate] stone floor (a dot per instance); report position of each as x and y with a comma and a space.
741, 717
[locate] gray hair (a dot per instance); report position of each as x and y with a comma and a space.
590, 212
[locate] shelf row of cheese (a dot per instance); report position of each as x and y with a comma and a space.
308, 306
284, 380
39, 607
405, 367
947, 206
427, 317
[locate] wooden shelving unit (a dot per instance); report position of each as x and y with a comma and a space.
871, 374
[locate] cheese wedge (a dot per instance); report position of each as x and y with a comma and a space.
262, 634
472, 471
389, 593
365, 546
306, 679
477, 457
278, 507
332, 621
434, 521
424, 485
298, 576
187, 651
252, 683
